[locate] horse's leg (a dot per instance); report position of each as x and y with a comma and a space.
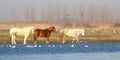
63, 40
25, 39
47, 40
35, 40
11, 38
76, 39
73, 40
14, 40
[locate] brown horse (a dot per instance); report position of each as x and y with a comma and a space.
43, 33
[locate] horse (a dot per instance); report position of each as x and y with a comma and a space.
43, 33
20, 32
74, 33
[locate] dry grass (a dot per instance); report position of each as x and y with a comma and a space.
94, 37
94, 33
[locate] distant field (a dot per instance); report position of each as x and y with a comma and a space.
91, 35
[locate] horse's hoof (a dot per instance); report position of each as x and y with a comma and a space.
63, 42
86, 46
35, 45
53, 45
61, 46
24, 43
40, 46
72, 45
49, 45
12, 46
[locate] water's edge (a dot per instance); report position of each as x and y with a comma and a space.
21, 49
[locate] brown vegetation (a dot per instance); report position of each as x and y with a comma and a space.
58, 26
93, 32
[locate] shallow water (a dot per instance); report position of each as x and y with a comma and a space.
82, 51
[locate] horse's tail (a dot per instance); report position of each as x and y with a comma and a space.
10, 38
10, 35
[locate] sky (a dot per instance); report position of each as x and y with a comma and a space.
9, 7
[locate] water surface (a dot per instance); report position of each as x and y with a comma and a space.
82, 51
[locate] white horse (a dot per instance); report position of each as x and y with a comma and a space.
20, 32
74, 33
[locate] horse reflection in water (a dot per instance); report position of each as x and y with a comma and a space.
26, 31
43, 33
74, 33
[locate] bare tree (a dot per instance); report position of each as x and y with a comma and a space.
43, 13
58, 11
47, 11
6, 19
14, 16
104, 13
81, 13
32, 12
65, 12
27, 13
91, 12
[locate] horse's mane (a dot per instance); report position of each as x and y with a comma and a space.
29, 27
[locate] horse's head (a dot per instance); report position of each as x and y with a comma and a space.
82, 32
53, 29
31, 29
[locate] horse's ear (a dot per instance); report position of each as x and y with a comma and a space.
51, 28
